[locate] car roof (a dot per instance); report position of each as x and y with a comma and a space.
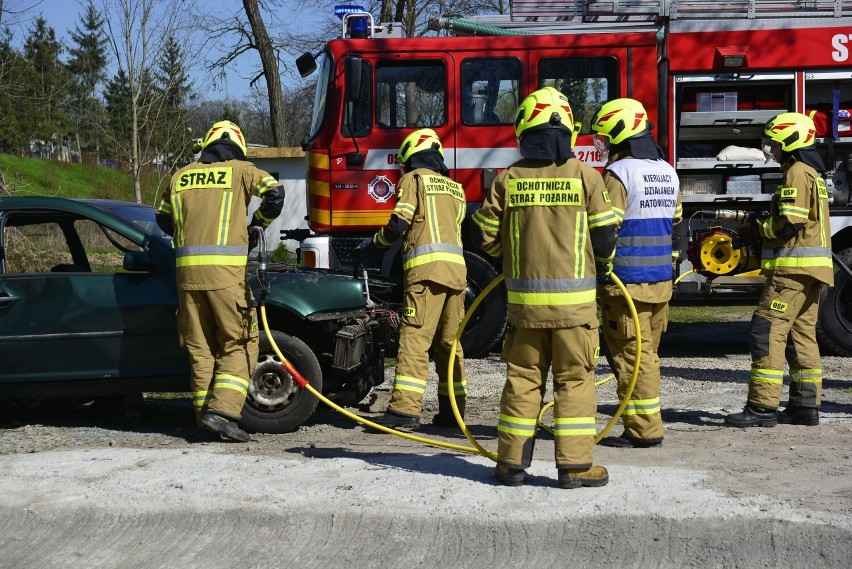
42, 201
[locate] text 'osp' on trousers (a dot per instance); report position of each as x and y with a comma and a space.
570, 354
219, 331
784, 327
431, 317
641, 417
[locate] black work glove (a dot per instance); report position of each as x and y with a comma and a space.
603, 270
366, 246
749, 230
252, 233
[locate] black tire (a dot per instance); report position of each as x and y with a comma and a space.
834, 325
487, 324
275, 403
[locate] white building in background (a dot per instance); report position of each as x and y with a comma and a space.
287, 165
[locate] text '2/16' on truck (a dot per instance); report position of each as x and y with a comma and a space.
710, 74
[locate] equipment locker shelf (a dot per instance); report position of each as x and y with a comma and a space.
719, 125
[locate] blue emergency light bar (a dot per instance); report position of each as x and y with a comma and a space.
343, 9
356, 22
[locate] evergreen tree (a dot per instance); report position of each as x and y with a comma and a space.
87, 65
118, 99
12, 69
173, 139
46, 86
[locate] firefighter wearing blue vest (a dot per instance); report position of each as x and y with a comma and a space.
549, 217
644, 189
796, 258
205, 208
428, 217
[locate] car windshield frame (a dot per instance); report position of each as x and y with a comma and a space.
142, 216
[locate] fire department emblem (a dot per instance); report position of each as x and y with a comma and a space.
380, 189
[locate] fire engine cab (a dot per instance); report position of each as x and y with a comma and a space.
710, 74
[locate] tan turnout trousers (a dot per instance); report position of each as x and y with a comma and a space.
530, 353
784, 327
641, 417
222, 323
431, 318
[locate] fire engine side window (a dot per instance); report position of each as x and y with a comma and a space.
588, 82
412, 95
490, 90
356, 114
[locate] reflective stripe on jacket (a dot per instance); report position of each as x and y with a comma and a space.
209, 205
434, 207
539, 214
801, 199
643, 253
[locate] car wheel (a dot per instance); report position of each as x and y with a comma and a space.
485, 326
275, 403
834, 325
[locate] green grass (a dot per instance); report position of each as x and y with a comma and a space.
34, 176
719, 312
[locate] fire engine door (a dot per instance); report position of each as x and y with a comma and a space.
400, 93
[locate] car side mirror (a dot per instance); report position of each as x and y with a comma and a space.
139, 261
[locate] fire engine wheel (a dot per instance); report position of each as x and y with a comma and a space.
275, 403
487, 324
834, 325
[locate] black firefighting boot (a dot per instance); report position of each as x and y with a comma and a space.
225, 427
445, 416
625, 441
591, 477
753, 416
396, 420
509, 476
797, 415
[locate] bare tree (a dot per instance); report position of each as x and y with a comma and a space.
277, 31
269, 60
137, 31
414, 14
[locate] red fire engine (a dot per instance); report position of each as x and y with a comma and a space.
711, 74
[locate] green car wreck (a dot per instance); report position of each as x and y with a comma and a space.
88, 309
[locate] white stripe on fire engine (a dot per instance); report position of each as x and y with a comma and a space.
382, 158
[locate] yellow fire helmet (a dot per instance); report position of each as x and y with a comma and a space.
791, 130
418, 141
546, 106
227, 130
620, 119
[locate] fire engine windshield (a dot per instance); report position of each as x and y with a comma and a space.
324, 67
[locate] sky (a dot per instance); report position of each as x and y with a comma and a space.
64, 15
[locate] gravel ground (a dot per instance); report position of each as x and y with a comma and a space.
145, 490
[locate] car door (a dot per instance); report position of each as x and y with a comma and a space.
72, 315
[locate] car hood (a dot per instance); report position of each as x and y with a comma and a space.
310, 294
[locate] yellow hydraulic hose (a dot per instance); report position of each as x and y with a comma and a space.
689, 272
476, 448
462, 326
297, 377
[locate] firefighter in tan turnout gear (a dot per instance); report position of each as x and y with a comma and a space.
549, 217
205, 208
645, 195
796, 258
428, 216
